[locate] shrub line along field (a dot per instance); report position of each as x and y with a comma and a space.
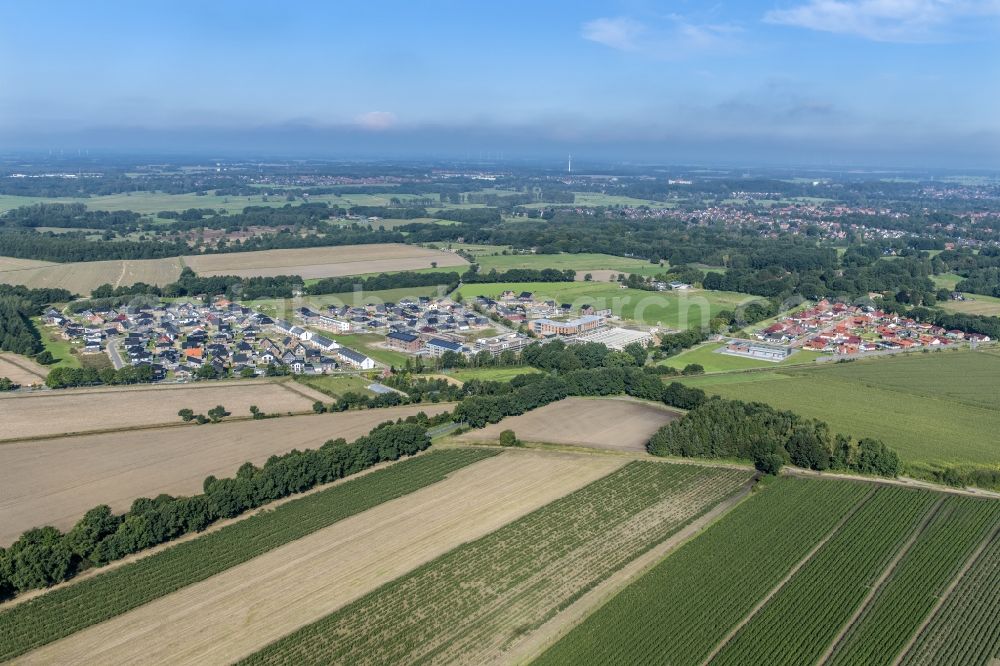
857, 596
241, 609
73, 607
55, 481
611, 423
78, 411
934, 409
83, 277
479, 600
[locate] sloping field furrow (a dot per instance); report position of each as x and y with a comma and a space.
55, 481
685, 605
804, 617
76, 411
966, 629
323, 262
909, 595
242, 609
609, 423
478, 600
71, 608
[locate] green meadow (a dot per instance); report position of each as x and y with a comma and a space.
709, 358
935, 409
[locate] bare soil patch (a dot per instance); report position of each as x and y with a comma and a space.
73, 411
238, 612
606, 423
22, 370
55, 481
323, 261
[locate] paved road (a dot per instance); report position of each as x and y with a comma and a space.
113, 353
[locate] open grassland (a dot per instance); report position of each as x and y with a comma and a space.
323, 262
336, 385
241, 609
684, 606
492, 374
974, 304
965, 629
55, 481
798, 623
934, 409
482, 598
150, 203
678, 310
900, 606
74, 411
84, 276
21, 370
607, 423
78, 605
709, 358
584, 262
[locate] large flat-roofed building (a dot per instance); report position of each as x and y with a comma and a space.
570, 327
616, 338
756, 350
405, 341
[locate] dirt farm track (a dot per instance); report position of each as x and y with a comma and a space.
54, 481
237, 612
607, 423
75, 411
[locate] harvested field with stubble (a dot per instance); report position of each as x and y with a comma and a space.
15, 264
323, 262
77, 411
54, 481
239, 611
22, 370
84, 276
620, 424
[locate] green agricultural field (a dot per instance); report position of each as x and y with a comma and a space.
811, 571
492, 374
587, 261
936, 409
697, 594
336, 385
69, 609
675, 310
707, 356
946, 280
975, 304
468, 604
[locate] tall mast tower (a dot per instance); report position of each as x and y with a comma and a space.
569, 164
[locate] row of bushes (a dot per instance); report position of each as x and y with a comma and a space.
69, 377
721, 428
45, 556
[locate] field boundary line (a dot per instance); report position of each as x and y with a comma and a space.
592, 600
902, 481
972, 560
12, 359
791, 574
879, 585
190, 536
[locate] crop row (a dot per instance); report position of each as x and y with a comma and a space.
66, 610
966, 629
804, 617
921, 576
478, 598
678, 611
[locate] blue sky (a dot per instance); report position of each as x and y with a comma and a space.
894, 82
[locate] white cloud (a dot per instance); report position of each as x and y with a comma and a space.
677, 38
376, 120
619, 33
884, 20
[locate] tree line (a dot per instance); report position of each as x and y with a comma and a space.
44, 556
720, 428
